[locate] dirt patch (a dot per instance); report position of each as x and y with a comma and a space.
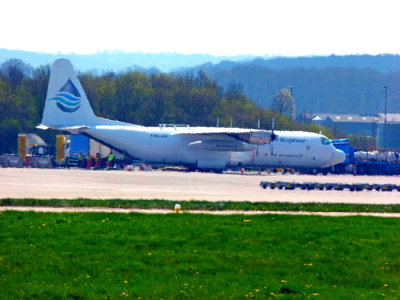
169, 211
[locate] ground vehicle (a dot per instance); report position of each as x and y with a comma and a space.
40, 156
33, 152
70, 146
74, 145
11, 160
366, 163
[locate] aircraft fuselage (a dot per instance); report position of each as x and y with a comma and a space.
164, 145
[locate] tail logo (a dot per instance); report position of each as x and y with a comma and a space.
68, 98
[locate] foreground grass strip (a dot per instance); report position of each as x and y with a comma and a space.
109, 256
205, 205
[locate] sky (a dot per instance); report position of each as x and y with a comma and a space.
216, 27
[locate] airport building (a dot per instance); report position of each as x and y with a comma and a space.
349, 124
387, 133
388, 136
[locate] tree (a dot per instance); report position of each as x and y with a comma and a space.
366, 143
234, 91
283, 103
14, 71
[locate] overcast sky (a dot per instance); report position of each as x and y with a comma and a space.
217, 27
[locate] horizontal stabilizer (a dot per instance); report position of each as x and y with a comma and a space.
43, 127
73, 129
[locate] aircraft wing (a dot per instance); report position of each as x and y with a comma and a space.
250, 136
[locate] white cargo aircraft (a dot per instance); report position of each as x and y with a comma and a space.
67, 109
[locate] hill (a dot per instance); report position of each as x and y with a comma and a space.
166, 62
349, 84
117, 60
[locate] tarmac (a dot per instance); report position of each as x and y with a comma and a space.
113, 184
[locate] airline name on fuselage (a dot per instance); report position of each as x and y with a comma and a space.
292, 140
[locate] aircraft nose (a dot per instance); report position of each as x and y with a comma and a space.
338, 157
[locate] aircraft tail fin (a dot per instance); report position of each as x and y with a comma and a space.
66, 102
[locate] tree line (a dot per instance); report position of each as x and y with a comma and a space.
145, 99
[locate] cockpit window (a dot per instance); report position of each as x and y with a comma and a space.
325, 141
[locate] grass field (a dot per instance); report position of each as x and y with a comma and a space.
183, 256
205, 205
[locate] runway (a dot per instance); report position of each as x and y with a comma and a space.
75, 183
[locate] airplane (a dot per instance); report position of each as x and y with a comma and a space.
206, 148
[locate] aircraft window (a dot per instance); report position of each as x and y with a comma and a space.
325, 141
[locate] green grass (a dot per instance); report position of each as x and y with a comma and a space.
183, 256
205, 205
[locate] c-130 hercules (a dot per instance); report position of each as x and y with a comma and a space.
212, 148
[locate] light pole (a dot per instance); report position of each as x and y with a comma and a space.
292, 100
291, 90
386, 87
